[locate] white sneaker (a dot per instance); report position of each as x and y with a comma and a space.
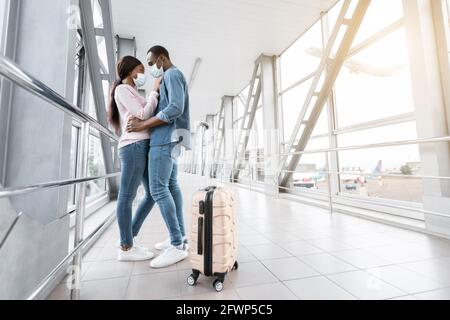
169, 257
166, 244
135, 244
134, 254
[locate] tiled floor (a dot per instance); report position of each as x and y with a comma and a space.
287, 250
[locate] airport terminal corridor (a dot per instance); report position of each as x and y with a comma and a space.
301, 252
329, 121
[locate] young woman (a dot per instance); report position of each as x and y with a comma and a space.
133, 153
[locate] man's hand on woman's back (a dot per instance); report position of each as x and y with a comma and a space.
134, 124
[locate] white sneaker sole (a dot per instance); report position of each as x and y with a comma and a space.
120, 259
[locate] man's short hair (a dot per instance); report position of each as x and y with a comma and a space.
158, 51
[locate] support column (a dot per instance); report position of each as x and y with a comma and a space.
430, 109
228, 137
11, 25
270, 124
90, 43
333, 164
209, 143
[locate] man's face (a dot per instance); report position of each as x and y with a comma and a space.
153, 59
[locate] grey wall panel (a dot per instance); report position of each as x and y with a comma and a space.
38, 151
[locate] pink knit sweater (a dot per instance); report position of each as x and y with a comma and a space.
131, 103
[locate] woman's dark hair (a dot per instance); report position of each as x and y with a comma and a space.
125, 67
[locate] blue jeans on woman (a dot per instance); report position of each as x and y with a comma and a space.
134, 170
163, 169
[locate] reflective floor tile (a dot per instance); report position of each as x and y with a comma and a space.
365, 286
252, 240
226, 294
271, 291
404, 279
361, 258
300, 248
251, 273
436, 269
268, 251
108, 269
108, 289
330, 244
326, 263
317, 288
244, 255
442, 294
153, 286
289, 269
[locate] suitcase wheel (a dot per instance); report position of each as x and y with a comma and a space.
192, 279
218, 285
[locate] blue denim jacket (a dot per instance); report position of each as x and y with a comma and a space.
173, 108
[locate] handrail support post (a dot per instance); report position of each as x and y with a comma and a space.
80, 210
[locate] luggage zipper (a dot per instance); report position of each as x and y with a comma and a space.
208, 209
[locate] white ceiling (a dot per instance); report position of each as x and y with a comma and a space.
228, 35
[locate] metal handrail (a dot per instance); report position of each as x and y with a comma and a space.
25, 80
373, 146
359, 147
333, 197
9, 192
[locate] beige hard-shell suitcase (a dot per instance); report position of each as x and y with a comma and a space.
213, 242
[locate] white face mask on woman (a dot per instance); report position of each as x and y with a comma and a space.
140, 80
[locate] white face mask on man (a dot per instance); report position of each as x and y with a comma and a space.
155, 71
140, 80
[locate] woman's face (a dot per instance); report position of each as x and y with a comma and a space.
137, 70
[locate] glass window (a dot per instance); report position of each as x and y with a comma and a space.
311, 173
375, 83
73, 163
292, 105
303, 57
380, 14
239, 107
98, 20
106, 92
96, 167
318, 144
361, 170
91, 103
101, 47
321, 127
2, 21
397, 132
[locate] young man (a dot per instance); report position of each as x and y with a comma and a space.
168, 132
